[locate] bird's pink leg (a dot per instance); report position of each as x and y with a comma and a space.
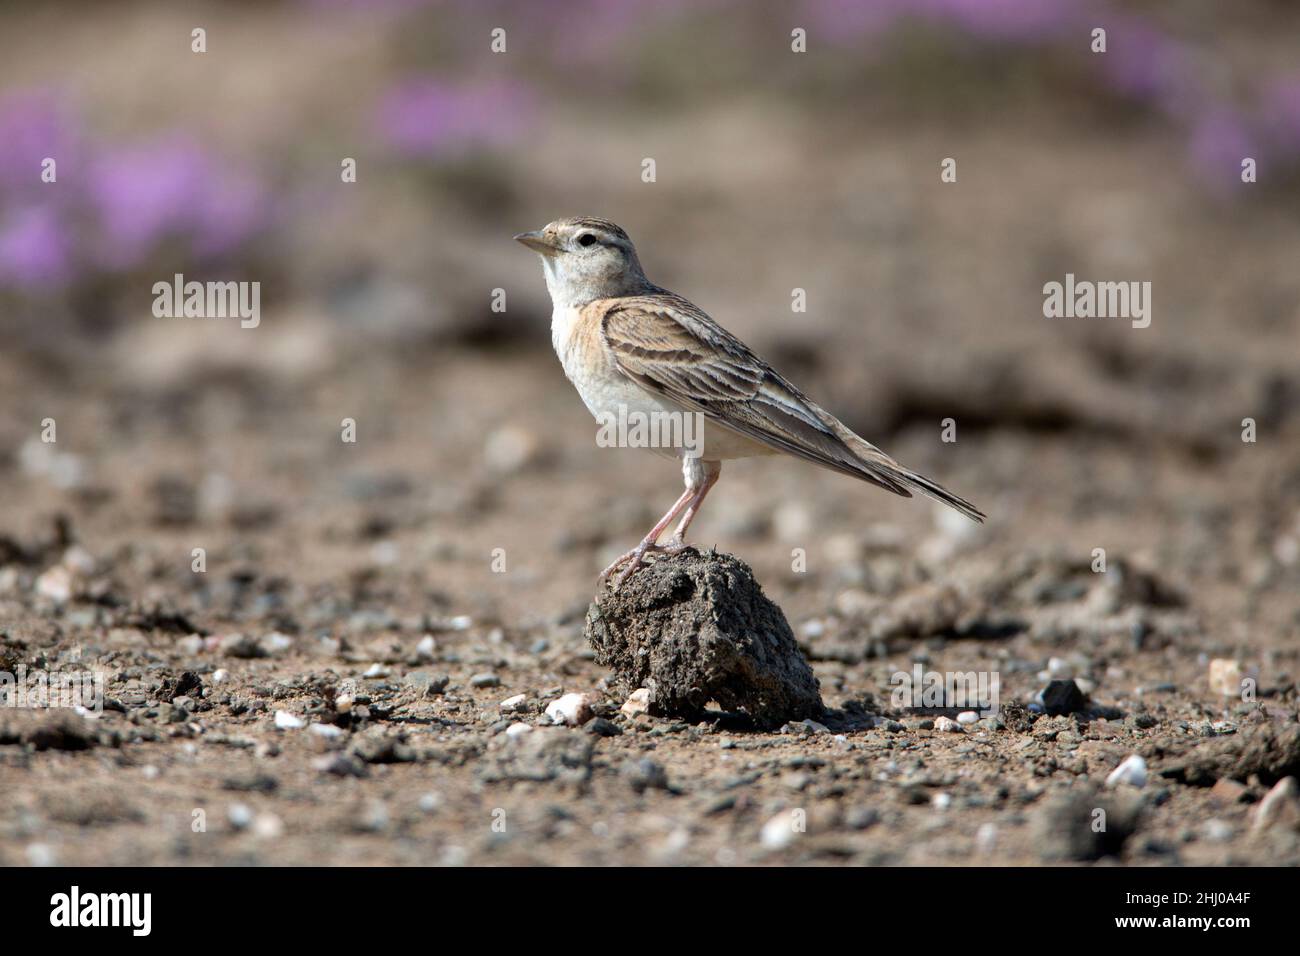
648, 543
700, 476
678, 540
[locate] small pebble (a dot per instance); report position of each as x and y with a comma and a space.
573, 710
778, 832
637, 703
287, 721
1132, 770
485, 679
512, 705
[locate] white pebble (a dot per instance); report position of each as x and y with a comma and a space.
968, 717
376, 670
779, 831
513, 704
518, 730
637, 703
239, 815
40, 854
947, 725
571, 709
1132, 771
55, 584
220, 675
328, 731
426, 648
343, 703
287, 721
267, 826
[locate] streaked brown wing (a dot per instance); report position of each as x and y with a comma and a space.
669, 347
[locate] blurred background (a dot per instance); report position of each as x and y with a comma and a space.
774, 170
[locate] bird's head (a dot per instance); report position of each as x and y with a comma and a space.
586, 259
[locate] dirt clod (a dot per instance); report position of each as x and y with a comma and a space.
695, 628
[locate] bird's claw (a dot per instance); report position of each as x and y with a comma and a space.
636, 558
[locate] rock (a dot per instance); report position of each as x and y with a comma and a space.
426, 649
645, 774
695, 627
340, 764
55, 584
1132, 770
239, 815
287, 721
518, 728
778, 832
542, 754
378, 746
1225, 677
601, 727
1081, 826
1266, 751
572, 710
1228, 791
1280, 808
267, 826
485, 680
1217, 831
1015, 716
946, 725
637, 703
1061, 697
968, 717
513, 705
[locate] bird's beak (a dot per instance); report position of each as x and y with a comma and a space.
536, 241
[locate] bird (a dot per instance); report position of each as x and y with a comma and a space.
634, 349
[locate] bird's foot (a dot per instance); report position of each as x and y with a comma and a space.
635, 558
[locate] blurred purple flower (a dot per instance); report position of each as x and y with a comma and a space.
34, 250
1280, 112
429, 117
143, 194
1220, 141
34, 125
1019, 20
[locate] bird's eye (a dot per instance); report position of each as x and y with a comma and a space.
586, 239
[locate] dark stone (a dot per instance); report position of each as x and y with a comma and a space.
695, 627
1061, 697
645, 774
187, 685
602, 727
1015, 716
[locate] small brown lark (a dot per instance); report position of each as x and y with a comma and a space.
630, 347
